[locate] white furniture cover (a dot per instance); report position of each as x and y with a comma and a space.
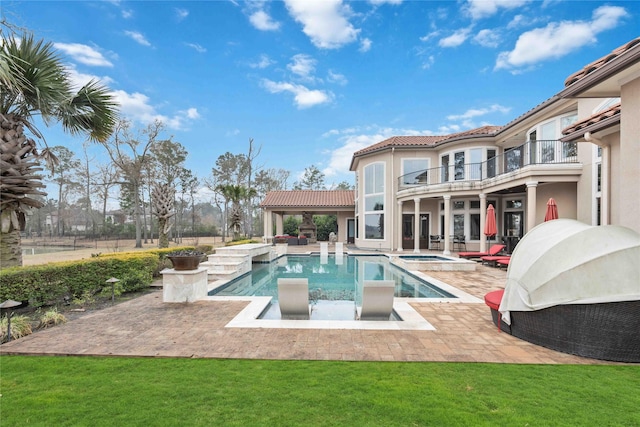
564, 261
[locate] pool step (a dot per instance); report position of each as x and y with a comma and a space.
226, 266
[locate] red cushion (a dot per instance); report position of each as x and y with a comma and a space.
493, 299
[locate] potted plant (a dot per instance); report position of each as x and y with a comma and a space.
185, 259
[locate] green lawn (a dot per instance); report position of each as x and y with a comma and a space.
79, 391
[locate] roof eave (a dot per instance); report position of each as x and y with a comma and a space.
592, 128
599, 75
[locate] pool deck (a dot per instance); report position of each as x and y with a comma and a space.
147, 327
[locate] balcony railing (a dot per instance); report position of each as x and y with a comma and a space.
529, 153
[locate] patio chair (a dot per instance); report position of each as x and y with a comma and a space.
493, 251
459, 242
377, 300
434, 240
339, 248
293, 298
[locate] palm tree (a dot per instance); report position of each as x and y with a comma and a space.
34, 82
235, 194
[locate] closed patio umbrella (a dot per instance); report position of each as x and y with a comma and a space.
552, 210
490, 228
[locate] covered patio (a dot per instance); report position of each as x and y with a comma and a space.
307, 203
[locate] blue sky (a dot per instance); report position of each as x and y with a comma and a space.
313, 81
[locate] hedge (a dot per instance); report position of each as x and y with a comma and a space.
47, 283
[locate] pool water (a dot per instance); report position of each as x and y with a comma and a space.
330, 278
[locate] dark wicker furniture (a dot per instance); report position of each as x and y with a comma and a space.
606, 331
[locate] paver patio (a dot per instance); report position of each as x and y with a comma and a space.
147, 327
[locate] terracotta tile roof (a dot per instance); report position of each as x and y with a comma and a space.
309, 198
588, 69
425, 141
596, 118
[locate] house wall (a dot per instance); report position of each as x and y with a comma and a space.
564, 193
390, 170
629, 157
586, 185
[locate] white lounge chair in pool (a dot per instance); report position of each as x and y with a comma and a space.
339, 248
324, 248
293, 298
377, 299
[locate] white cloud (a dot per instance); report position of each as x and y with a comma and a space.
428, 62
487, 38
262, 21
303, 66
430, 36
354, 139
138, 37
232, 132
477, 112
365, 45
517, 21
337, 78
83, 54
455, 39
127, 13
80, 79
303, 96
181, 13
478, 9
137, 107
196, 47
263, 62
446, 130
192, 113
324, 22
558, 39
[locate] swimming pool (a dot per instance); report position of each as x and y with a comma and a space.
330, 278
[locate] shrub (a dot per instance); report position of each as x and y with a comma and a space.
20, 327
51, 318
43, 284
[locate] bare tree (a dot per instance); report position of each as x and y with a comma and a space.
130, 156
107, 177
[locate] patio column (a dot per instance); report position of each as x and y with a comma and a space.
268, 224
531, 204
279, 226
447, 224
399, 226
416, 225
483, 222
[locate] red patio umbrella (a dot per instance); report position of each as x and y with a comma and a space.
490, 228
552, 210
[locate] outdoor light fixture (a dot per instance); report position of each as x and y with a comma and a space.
113, 281
9, 305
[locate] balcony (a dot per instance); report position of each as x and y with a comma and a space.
513, 159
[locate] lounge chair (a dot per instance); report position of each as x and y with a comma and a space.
377, 300
339, 248
493, 250
324, 248
503, 262
293, 298
493, 259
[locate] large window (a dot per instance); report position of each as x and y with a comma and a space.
374, 201
544, 146
414, 171
459, 165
